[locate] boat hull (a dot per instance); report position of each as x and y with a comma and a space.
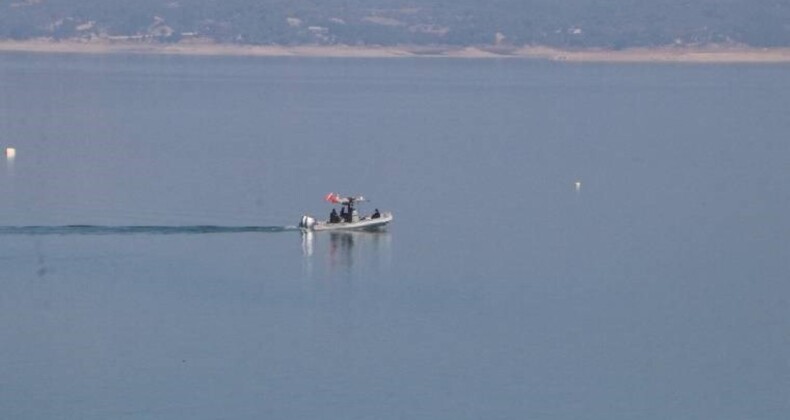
367, 223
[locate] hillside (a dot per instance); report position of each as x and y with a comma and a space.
609, 24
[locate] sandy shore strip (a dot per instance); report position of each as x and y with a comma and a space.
712, 54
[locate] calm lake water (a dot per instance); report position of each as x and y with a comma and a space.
659, 289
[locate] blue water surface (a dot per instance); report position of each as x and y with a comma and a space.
150, 268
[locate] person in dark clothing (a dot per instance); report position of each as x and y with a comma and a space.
376, 214
343, 214
333, 217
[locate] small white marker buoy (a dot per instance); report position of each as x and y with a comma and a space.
578, 185
10, 153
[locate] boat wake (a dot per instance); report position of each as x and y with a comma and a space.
138, 230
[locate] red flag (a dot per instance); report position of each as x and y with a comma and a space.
332, 198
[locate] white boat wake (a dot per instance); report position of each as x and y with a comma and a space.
138, 230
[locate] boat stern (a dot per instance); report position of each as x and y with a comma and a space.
307, 223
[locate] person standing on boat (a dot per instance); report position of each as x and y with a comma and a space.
343, 216
376, 214
333, 217
351, 212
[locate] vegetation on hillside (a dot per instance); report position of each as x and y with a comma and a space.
612, 24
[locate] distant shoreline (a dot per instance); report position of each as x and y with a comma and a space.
679, 54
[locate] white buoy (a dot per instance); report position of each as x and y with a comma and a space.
10, 153
578, 185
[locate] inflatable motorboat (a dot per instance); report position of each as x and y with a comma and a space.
348, 219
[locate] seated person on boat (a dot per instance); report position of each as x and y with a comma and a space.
333, 217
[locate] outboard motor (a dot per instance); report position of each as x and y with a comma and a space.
307, 222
